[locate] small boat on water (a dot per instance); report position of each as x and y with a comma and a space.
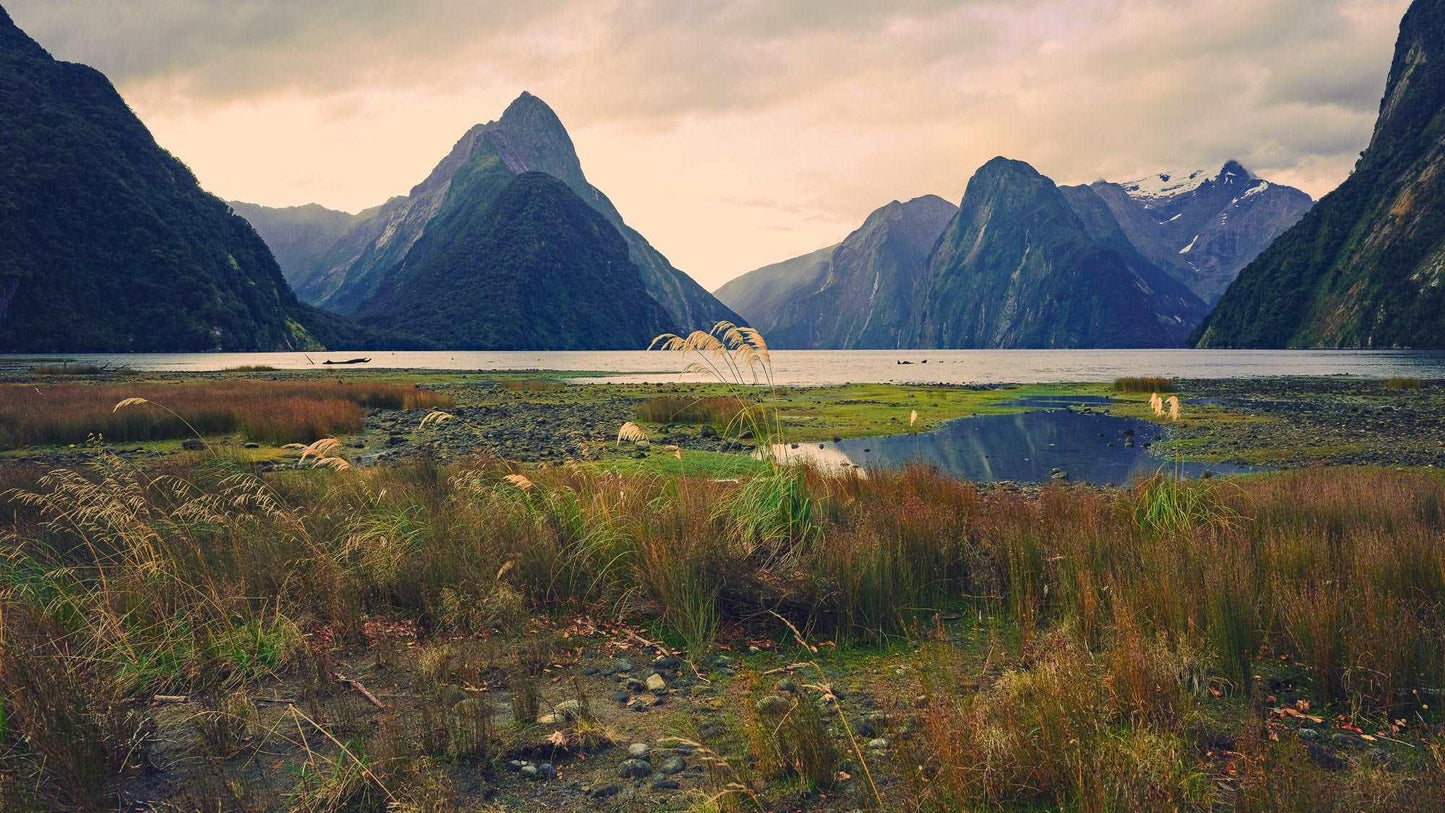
347, 361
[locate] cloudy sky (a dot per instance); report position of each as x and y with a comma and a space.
735, 133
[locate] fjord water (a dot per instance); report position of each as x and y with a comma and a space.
1057, 438
815, 367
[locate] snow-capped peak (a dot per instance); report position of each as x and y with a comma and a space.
1166, 184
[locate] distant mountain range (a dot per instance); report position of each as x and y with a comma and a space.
361, 266
107, 243
1126, 265
1366, 266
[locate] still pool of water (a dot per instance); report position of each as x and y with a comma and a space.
811, 367
1028, 447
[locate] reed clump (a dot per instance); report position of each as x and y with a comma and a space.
717, 411
1144, 384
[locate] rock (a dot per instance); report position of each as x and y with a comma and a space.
515, 765
250, 444
672, 765
547, 772
667, 663
634, 769
1059, 474
567, 710
878, 743
634, 685
620, 697
786, 685
530, 772
193, 445
605, 792
665, 784
638, 750
656, 684
643, 444
774, 704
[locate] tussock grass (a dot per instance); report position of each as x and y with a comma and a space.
66, 368
532, 384
1144, 384
1127, 605
250, 368
272, 411
1403, 383
718, 411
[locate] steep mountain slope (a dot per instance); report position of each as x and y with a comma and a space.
1366, 266
867, 296
759, 295
1203, 228
107, 243
528, 137
1018, 267
299, 236
536, 268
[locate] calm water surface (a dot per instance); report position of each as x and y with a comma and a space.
1061, 438
809, 367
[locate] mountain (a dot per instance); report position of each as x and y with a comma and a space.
527, 137
1366, 266
1200, 227
1018, 267
298, 236
536, 268
759, 295
108, 243
864, 294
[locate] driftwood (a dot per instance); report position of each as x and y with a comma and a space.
347, 361
355, 685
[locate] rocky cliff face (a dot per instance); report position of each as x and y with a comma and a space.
528, 137
1018, 267
760, 295
868, 297
1366, 266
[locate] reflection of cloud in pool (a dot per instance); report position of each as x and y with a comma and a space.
828, 458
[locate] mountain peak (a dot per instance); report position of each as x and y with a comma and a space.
13, 40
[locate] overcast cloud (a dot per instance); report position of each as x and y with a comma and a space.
736, 133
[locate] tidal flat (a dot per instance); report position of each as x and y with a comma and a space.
492, 602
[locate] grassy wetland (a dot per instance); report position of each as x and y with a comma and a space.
482, 592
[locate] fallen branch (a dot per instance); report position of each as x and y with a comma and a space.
355, 685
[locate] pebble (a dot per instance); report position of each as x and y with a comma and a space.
605, 791
634, 769
774, 704
656, 684
638, 750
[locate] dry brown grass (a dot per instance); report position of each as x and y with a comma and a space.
273, 411
1144, 384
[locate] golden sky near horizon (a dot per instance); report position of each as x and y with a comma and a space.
737, 133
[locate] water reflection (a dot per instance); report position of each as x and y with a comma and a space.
1035, 446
